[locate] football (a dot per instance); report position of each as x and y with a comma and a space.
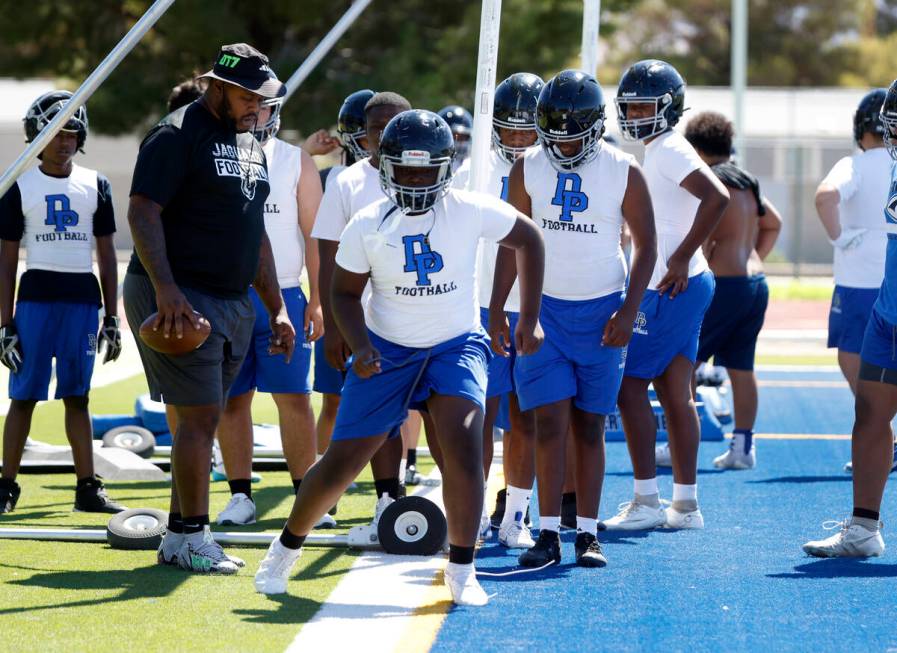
172, 345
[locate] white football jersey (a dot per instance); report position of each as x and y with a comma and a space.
580, 215
350, 191
282, 211
862, 181
423, 267
669, 159
59, 219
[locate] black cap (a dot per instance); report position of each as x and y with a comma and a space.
244, 66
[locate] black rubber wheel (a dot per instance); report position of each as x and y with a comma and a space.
412, 526
137, 529
135, 439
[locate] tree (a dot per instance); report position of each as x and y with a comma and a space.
424, 49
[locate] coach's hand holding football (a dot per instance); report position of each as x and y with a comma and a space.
173, 308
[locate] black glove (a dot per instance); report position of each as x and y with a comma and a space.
10, 349
111, 335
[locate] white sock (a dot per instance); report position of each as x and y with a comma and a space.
685, 492
402, 467
586, 525
550, 523
646, 486
516, 503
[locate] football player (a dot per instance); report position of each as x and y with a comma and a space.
461, 123
688, 201
578, 190
54, 210
876, 391
418, 340
290, 211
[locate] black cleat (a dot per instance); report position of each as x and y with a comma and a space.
546, 550
91, 497
499, 513
568, 511
9, 496
588, 551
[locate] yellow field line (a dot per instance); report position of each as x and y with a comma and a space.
429, 616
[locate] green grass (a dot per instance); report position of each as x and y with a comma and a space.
89, 597
808, 289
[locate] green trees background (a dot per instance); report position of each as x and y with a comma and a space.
427, 49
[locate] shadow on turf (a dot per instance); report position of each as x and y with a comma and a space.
153, 581
839, 568
834, 478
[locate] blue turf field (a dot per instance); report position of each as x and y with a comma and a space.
742, 584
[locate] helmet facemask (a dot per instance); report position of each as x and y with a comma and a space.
590, 145
889, 120
272, 125
511, 153
638, 129
414, 199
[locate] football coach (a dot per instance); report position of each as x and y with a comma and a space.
196, 217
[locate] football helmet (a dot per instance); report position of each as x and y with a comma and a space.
868, 114
45, 108
460, 122
650, 82
351, 122
570, 108
514, 108
889, 119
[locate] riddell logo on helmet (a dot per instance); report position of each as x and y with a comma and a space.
629, 94
558, 132
415, 157
517, 120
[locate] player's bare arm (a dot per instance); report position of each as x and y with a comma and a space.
639, 216
506, 267
308, 196
335, 348
827, 202
348, 314
9, 261
770, 227
145, 220
283, 339
714, 198
525, 240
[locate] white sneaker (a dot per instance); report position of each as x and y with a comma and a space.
515, 535
240, 511
635, 516
200, 552
167, 553
662, 455
735, 456
367, 533
464, 586
683, 520
274, 569
326, 521
852, 541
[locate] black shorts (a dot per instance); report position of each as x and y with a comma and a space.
733, 322
205, 375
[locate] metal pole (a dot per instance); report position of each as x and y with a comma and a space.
739, 55
591, 24
87, 88
322, 48
487, 63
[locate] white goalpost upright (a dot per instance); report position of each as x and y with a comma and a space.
87, 88
738, 82
591, 24
487, 62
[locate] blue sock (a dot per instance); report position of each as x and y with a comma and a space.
748, 438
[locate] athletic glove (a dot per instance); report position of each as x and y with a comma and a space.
111, 335
10, 349
849, 238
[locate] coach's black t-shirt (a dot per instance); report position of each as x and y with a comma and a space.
212, 184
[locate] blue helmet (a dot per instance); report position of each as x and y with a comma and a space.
868, 114
460, 122
650, 82
570, 108
514, 107
45, 108
889, 119
416, 139
350, 123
